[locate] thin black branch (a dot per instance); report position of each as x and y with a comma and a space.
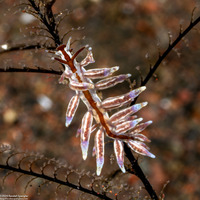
139, 173
27, 69
48, 20
168, 50
137, 170
62, 18
26, 47
55, 180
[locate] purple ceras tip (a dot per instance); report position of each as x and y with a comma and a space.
68, 121
136, 92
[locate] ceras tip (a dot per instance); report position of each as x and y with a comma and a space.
135, 122
134, 93
144, 103
87, 46
151, 155
129, 75
114, 69
138, 120
84, 148
149, 122
100, 163
140, 148
142, 88
90, 55
68, 121
99, 171
121, 166
137, 107
68, 44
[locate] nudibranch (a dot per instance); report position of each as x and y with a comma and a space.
122, 126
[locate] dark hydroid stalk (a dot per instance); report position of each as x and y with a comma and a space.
139, 173
47, 19
168, 50
55, 180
